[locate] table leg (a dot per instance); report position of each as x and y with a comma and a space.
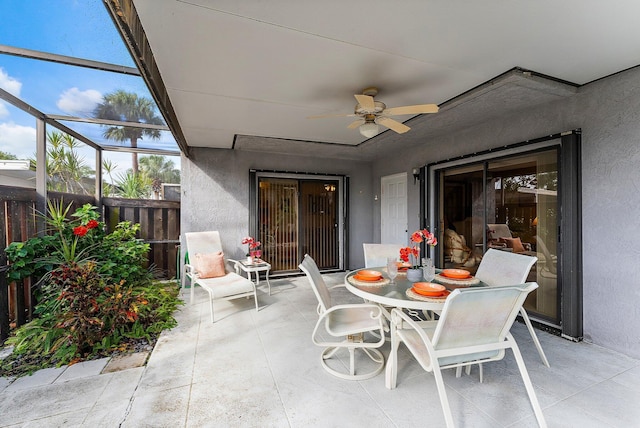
267, 279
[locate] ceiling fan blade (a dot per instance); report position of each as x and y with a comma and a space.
417, 109
355, 124
365, 101
394, 125
322, 116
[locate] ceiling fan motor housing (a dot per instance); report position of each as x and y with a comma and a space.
377, 108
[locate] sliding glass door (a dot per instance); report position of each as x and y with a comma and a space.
522, 193
297, 214
508, 204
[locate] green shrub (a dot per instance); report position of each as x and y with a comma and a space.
94, 292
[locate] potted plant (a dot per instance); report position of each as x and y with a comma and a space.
412, 254
253, 252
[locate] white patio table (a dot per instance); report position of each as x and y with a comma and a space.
395, 294
256, 267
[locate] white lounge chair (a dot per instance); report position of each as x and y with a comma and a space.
229, 286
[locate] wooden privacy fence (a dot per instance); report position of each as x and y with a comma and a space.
159, 227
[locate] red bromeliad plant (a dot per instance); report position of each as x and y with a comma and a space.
412, 254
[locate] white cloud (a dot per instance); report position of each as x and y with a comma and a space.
10, 84
4, 112
18, 140
76, 102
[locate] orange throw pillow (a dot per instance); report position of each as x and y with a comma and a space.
210, 265
514, 243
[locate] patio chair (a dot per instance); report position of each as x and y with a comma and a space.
376, 255
349, 321
503, 268
500, 236
550, 263
222, 283
459, 339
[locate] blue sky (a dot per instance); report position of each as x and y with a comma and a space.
78, 28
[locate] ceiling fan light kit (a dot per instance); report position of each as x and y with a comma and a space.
369, 129
374, 113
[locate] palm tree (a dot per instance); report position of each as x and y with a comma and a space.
65, 167
159, 170
108, 166
133, 186
128, 107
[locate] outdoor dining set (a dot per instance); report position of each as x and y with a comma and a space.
457, 320
447, 319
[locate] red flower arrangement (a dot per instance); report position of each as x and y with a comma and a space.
413, 253
253, 245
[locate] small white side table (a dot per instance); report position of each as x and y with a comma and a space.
256, 267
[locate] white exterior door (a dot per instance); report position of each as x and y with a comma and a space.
394, 209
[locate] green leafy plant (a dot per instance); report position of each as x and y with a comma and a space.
133, 185
95, 293
90, 309
122, 256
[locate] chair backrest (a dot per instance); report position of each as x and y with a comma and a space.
377, 254
203, 242
550, 261
478, 316
504, 268
309, 267
499, 231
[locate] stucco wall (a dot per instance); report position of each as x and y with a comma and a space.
608, 112
217, 194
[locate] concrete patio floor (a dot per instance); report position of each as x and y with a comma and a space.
260, 369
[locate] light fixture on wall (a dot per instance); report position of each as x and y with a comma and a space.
369, 129
416, 175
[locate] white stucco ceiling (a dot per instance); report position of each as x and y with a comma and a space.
259, 68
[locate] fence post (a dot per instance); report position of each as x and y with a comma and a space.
4, 299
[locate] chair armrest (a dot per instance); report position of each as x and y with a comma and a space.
376, 314
402, 321
375, 307
189, 269
233, 263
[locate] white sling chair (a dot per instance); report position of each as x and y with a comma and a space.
458, 339
227, 287
505, 268
376, 255
350, 321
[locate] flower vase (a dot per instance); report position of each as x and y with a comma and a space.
414, 275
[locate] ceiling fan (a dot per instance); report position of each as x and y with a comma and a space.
373, 113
